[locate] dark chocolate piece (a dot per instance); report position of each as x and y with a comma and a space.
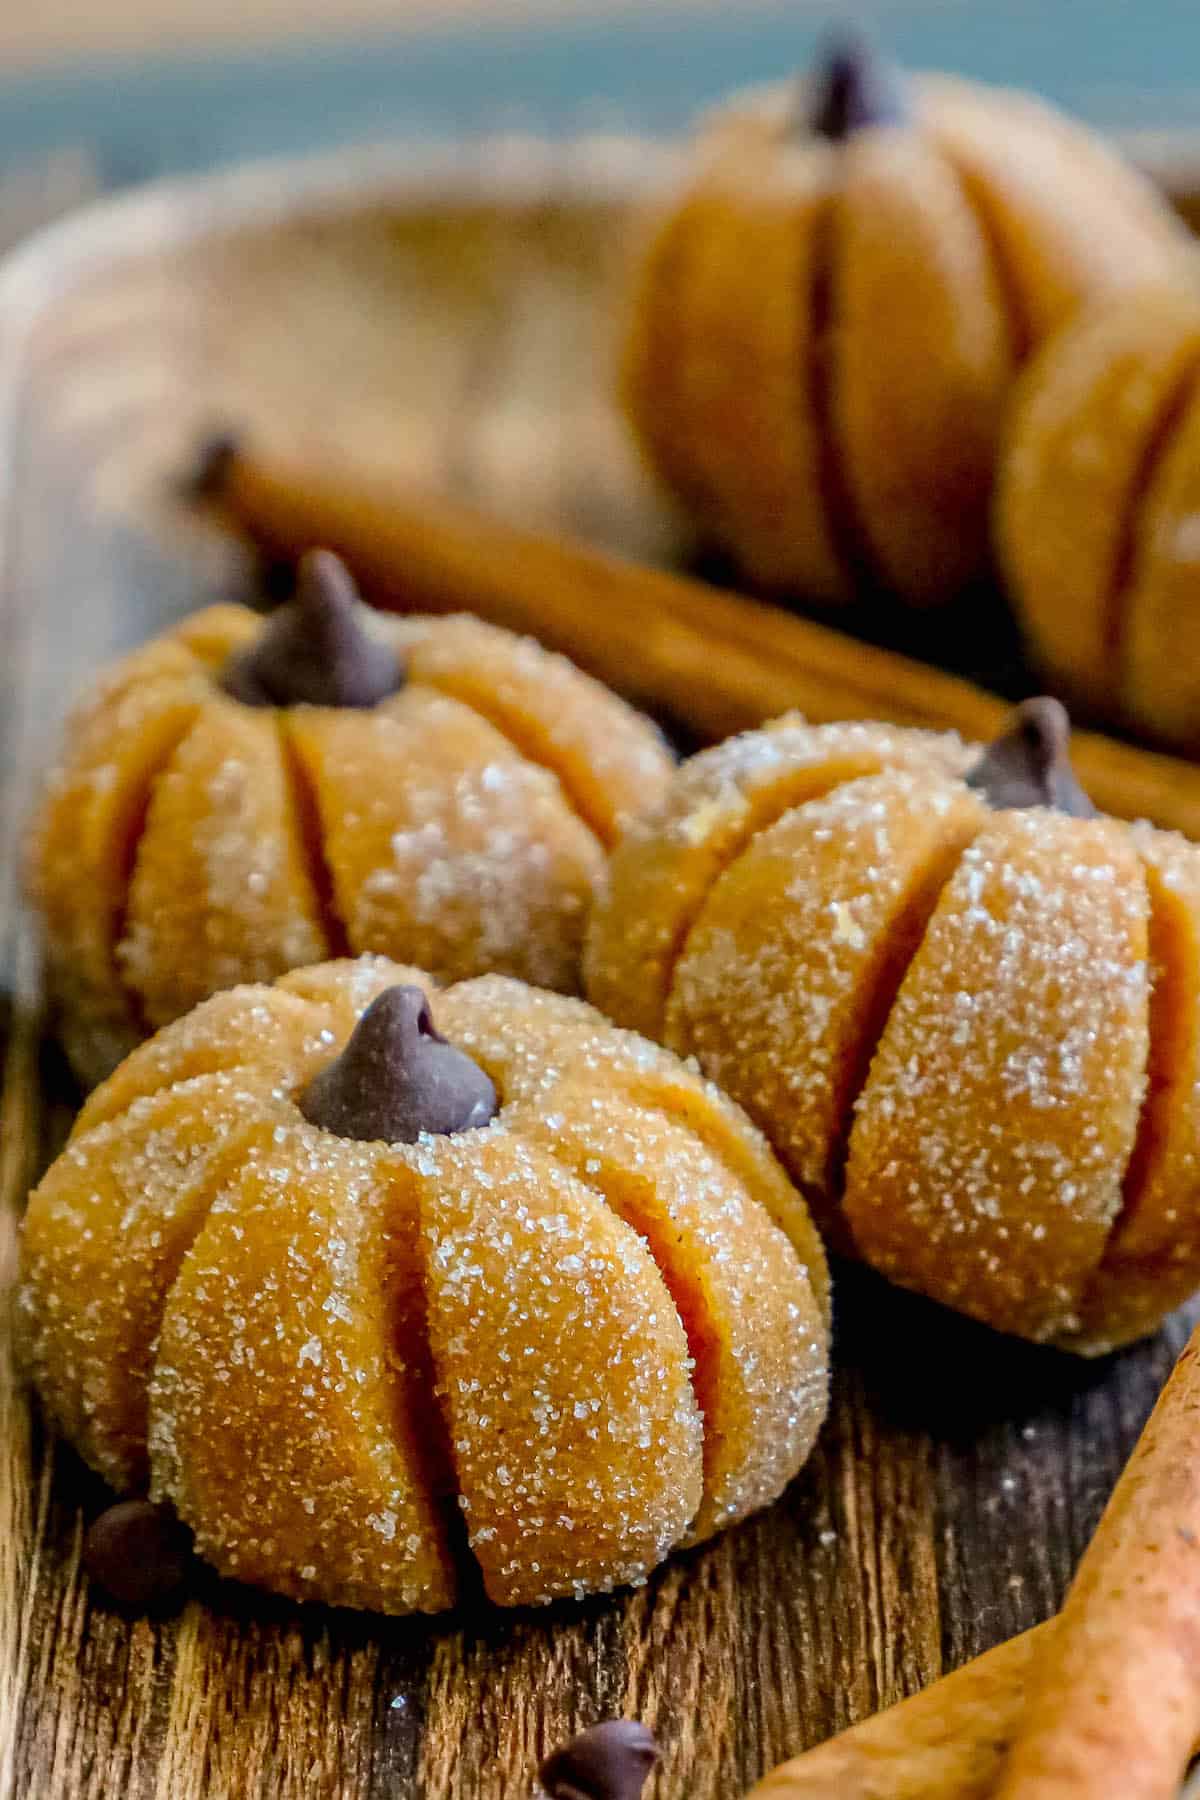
140, 1554
1030, 765
398, 1077
316, 650
610, 1762
854, 88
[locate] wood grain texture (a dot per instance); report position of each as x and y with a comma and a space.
462, 344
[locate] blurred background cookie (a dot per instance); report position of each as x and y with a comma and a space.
827, 320
1098, 512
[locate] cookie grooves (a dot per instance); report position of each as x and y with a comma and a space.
310, 839
793, 790
848, 533
423, 1430
412, 1374
702, 1372
904, 942
429, 1451
648, 392
653, 1101
1164, 1028
506, 722
129, 860
661, 1094
1122, 584
1174, 405
974, 192
211, 1176
907, 936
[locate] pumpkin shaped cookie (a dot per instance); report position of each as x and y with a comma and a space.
963, 1009
328, 1263
1096, 514
240, 798
827, 317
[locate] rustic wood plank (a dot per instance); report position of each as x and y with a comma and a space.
29, 197
959, 1475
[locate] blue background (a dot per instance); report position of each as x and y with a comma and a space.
1120, 62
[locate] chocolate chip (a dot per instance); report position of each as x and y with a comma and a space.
398, 1077
316, 650
140, 1554
854, 88
1030, 764
610, 1762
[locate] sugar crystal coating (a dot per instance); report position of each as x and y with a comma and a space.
552, 712
187, 842
754, 1325
221, 892
791, 966
584, 1452
292, 1366
1001, 1106
1151, 1262
593, 1330
670, 858
441, 837
113, 1219
969, 1034
84, 838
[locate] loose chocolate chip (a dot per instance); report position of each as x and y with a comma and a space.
854, 88
317, 649
398, 1077
140, 1554
1030, 765
610, 1762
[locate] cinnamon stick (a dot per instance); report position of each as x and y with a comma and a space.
946, 1743
718, 661
1114, 1705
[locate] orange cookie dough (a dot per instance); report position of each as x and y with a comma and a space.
1097, 508
826, 320
961, 1007
328, 1264
238, 799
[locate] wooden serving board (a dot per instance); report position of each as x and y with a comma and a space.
447, 319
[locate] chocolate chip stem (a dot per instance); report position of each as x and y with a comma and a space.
318, 649
854, 88
398, 1078
1030, 764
